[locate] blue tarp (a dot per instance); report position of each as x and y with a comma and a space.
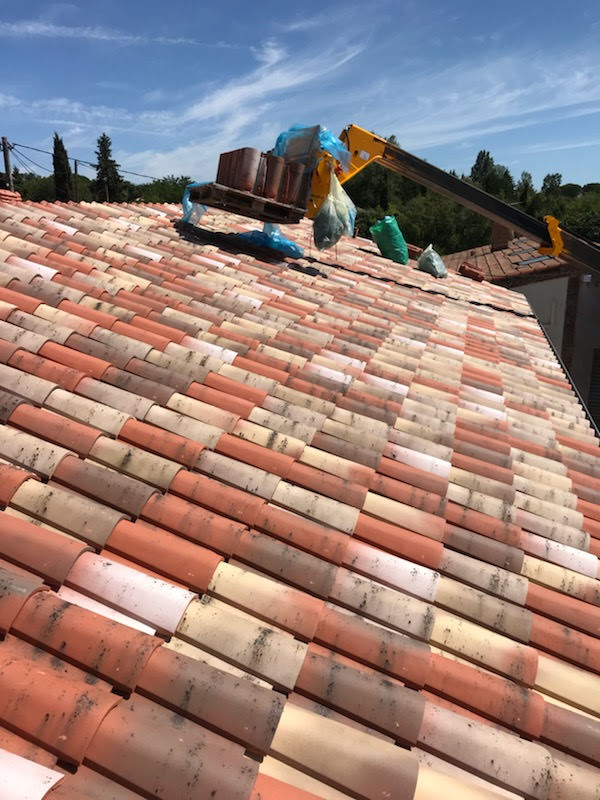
192, 211
327, 142
271, 236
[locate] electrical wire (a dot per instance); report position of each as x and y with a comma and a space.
23, 164
82, 161
30, 160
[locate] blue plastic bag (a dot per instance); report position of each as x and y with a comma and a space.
327, 141
192, 212
336, 147
271, 237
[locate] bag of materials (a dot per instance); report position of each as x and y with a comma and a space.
271, 236
328, 228
335, 218
389, 239
431, 262
346, 210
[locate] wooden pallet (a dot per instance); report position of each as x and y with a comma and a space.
246, 204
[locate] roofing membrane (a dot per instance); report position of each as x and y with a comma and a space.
273, 529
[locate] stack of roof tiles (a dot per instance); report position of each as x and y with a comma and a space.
269, 534
519, 259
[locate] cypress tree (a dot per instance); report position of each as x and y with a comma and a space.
63, 180
108, 186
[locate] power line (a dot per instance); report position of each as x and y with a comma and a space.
30, 160
48, 153
23, 164
82, 161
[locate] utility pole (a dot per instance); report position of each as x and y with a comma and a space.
106, 188
75, 186
7, 167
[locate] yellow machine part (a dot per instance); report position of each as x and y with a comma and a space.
364, 148
555, 235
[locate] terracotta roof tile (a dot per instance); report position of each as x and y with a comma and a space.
189, 520
381, 485
164, 769
17, 587
239, 709
212, 494
11, 478
82, 638
101, 483
23, 708
54, 427
46, 553
136, 592
134, 461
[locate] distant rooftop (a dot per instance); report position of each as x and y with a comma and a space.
519, 259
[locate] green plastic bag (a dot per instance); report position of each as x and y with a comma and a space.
389, 239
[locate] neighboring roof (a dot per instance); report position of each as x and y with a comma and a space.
519, 260
284, 530
6, 196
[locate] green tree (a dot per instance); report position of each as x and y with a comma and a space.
482, 168
582, 217
33, 187
169, 189
491, 177
108, 186
63, 181
84, 188
571, 190
525, 190
504, 185
551, 183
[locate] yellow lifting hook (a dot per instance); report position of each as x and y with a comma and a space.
555, 237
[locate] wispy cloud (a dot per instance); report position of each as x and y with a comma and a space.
246, 106
304, 24
264, 82
269, 53
30, 29
551, 147
9, 101
478, 98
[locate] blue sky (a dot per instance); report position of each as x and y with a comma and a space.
176, 83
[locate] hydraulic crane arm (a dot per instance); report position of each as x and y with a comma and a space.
365, 148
